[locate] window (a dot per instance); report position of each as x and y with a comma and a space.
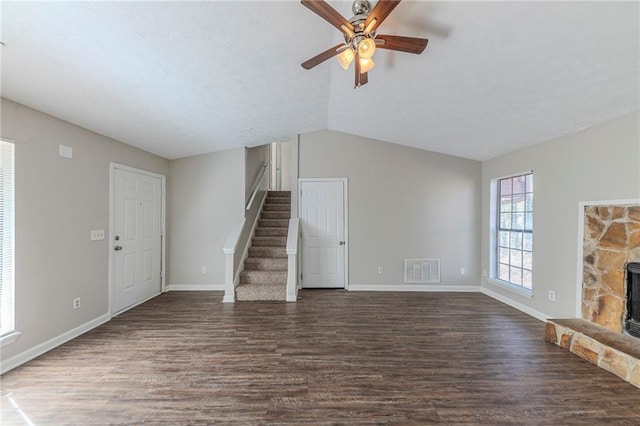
514, 239
7, 208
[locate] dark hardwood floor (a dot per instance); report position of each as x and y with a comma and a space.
334, 357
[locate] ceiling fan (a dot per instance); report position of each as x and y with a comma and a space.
361, 39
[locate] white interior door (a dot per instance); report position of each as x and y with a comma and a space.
322, 219
137, 238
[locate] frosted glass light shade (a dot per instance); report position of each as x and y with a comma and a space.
366, 65
366, 48
345, 58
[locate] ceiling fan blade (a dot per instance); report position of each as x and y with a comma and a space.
361, 77
326, 12
380, 11
402, 44
320, 58
364, 78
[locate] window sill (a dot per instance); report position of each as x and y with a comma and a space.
518, 290
9, 338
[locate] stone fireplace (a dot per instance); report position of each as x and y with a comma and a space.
608, 334
611, 242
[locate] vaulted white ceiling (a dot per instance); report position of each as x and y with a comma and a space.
186, 78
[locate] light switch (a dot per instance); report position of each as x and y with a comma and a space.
97, 234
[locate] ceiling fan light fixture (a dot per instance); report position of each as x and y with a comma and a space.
366, 65
345, 58
366, 48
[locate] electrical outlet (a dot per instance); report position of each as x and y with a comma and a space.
462, 271
204, 269
380, 270
552, 295
97, 234
76, 303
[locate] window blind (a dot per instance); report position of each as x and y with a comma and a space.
7, 236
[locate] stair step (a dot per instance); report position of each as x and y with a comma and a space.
271, 232
277, 207
250, 292
269, 242
278, 200
273, 223
263, 277
265, 264
279, 194
267, 252
275, 215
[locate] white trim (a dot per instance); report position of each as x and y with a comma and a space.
519, 306
123, 310
44, 347
9, 338
580, 257
195, 287
524, 292
234, 235
163, 245
415, 287
293, 239
345, 182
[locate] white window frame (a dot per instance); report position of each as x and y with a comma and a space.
7, 242
494, 239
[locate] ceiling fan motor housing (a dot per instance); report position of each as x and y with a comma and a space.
361, 7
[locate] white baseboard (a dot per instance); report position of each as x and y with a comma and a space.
519, 306
414, 287
195, 287
42, 348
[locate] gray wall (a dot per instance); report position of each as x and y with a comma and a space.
58, 202
403, 203
254, 160
206, 197
601, 163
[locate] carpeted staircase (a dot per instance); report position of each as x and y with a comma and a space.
265, 269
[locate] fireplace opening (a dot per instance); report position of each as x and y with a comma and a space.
632, 321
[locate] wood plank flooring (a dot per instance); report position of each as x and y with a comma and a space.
334, 357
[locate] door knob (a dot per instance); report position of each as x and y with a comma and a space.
341, 243
116, 248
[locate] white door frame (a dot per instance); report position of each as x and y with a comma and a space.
163, 249
345, 182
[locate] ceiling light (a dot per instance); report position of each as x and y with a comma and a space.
366, 65
345, 58
366, 48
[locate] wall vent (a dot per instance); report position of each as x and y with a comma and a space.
422, 270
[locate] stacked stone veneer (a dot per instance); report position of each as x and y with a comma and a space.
614, 352
611, 240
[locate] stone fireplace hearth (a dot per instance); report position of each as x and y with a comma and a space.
611, 243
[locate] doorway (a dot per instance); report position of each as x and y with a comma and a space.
136, 237
280, 163
323, 222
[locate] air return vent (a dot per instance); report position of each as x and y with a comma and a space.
422, 270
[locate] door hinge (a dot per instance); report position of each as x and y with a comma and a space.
300, 277
161, 273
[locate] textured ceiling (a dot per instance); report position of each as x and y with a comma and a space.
185, 78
